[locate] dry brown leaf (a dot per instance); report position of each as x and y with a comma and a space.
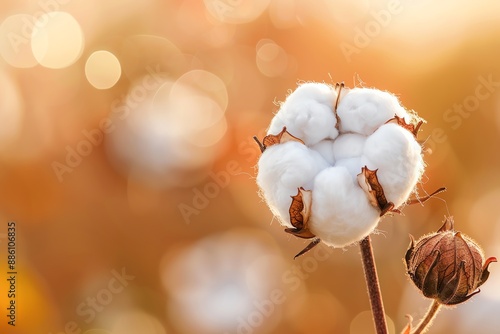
300, 210
402, 122
282, 137
368, 181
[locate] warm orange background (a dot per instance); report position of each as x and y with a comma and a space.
120, 206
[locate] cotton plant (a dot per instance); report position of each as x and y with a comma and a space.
334, 161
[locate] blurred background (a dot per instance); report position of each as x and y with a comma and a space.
127, 160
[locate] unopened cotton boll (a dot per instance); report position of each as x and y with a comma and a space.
308, 114
363, 110
397, 156
284, 168
341, 213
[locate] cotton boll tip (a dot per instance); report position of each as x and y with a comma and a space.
363, 110
308, 114
341, 214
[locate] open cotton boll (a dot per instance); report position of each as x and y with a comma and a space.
341, 213
363, 110
308, 114
397, 156
325, 148
348, 145
282, 169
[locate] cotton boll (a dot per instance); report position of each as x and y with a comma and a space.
308, 114
325, 148
396, 154
348, 145
341, 212
363, 110
282, 169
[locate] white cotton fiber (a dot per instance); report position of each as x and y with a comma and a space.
397, 156
308, 114
283, 169
348, 145
341, 212
325, 148
328, 162
363, 110
353, 166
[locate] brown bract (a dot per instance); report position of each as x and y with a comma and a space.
402, 122
368, 181
447, 265
300, 210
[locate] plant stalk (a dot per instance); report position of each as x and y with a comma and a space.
373, 286
425, 323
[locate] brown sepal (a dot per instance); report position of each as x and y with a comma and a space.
311, 245
270, 140
282, 137
368, 181
448, 224
486, 273
402, 122
424, 199
299, 211
338, 89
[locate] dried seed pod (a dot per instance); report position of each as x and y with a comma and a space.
447, 265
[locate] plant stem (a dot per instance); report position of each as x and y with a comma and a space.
427, 320
373, 286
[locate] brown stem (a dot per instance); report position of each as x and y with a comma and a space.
425, 323
373, 286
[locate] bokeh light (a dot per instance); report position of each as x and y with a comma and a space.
236, 11
57, 40
216, 281
11, 111
176, 126
363, 323
15, 40
133, 322
102, 69
272, 60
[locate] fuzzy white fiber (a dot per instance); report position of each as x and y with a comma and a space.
284, 168
307, 114
329, 160
363, 110
341, 212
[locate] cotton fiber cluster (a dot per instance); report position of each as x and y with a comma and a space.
336, 136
